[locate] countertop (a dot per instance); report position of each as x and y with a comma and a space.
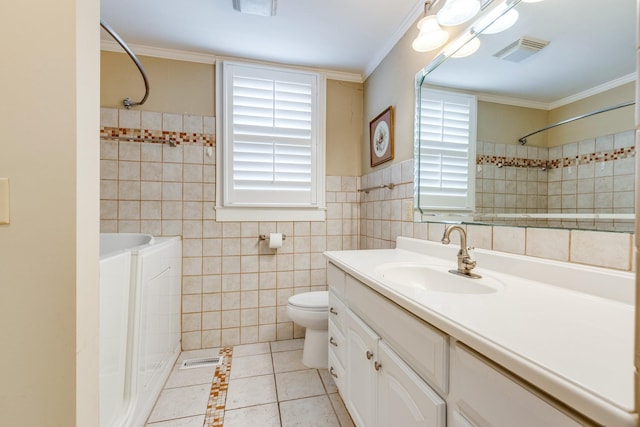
565, 328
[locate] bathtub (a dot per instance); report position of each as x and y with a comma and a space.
140, 286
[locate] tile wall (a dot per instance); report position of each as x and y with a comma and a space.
387, 214
586, 177
235, 288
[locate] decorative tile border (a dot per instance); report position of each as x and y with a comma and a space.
583, 159
147, 135
218, 395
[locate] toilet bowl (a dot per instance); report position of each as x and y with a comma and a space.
309, 310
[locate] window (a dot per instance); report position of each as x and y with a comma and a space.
445, 151
271, 151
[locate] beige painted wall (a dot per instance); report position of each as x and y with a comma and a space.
189, 88
344, 128
612, 122
179, 87
49, 252
505, 124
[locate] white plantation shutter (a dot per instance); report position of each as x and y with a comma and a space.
446, 152
271, 137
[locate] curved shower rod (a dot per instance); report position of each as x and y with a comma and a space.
523, 140
127, 101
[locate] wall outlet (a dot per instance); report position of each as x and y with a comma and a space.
4, 201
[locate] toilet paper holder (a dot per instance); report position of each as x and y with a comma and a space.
266, 237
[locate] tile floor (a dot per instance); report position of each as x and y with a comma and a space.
268, 386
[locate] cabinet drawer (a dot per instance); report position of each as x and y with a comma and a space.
337, 343
486, 395
337, 373
423, 347
337, 312
335, 279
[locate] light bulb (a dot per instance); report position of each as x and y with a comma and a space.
467, 49
500, 24
431, 35
456, 12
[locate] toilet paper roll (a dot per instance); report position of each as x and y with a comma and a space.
275, 240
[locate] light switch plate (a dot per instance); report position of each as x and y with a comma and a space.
4, 201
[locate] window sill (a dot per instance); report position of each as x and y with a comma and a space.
254, 214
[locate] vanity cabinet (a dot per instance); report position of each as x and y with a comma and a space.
393, 368
379, 388
483, 394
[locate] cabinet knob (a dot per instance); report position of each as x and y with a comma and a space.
333, 342
333, 372
333, 311
369, 355
377, 365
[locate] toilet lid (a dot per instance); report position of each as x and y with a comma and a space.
318, 300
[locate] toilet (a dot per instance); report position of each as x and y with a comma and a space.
309, 310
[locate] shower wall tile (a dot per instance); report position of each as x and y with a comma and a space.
234, 288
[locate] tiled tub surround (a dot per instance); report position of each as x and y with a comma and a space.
586, 177
387, 214
235, 289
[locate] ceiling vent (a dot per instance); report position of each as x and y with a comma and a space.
521, 49
256, 7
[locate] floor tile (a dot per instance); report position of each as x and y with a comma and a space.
327, 380
250, 391
310, 412
287, 361
251, 366
196, 421
341, 410
262, 415
298, 384
251, 349
181, 402
287, 345
192, 376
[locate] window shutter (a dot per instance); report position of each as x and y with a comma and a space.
446, 151
271, 142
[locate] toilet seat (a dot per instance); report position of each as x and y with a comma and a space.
311, 301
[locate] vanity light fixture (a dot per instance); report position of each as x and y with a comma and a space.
469, 48
501, 20
456, 12
431, 36
256, 7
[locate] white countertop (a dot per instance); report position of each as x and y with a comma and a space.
566, 328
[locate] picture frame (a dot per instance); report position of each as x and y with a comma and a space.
381, 137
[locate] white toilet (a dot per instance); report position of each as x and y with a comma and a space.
309, 309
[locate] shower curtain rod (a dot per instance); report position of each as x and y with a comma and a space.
127, 102
523, 140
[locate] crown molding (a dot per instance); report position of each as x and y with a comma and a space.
593, 91
382, 53
205, 58
517, 102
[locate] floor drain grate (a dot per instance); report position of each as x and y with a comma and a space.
202, 362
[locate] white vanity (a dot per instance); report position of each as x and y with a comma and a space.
531, 343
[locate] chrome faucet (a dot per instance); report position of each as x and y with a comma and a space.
465, 263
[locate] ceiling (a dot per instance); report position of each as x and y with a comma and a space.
592, 43
347, 36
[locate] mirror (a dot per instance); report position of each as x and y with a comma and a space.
579, 174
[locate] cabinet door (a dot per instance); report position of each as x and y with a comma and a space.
361, 376
404, 399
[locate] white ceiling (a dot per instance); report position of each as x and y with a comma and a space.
592, 43
350, 36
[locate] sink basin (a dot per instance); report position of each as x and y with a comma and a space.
436, 278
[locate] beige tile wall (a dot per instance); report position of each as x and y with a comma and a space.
235, 288
386, 215
586, 177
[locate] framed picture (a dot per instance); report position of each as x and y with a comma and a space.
381, 136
